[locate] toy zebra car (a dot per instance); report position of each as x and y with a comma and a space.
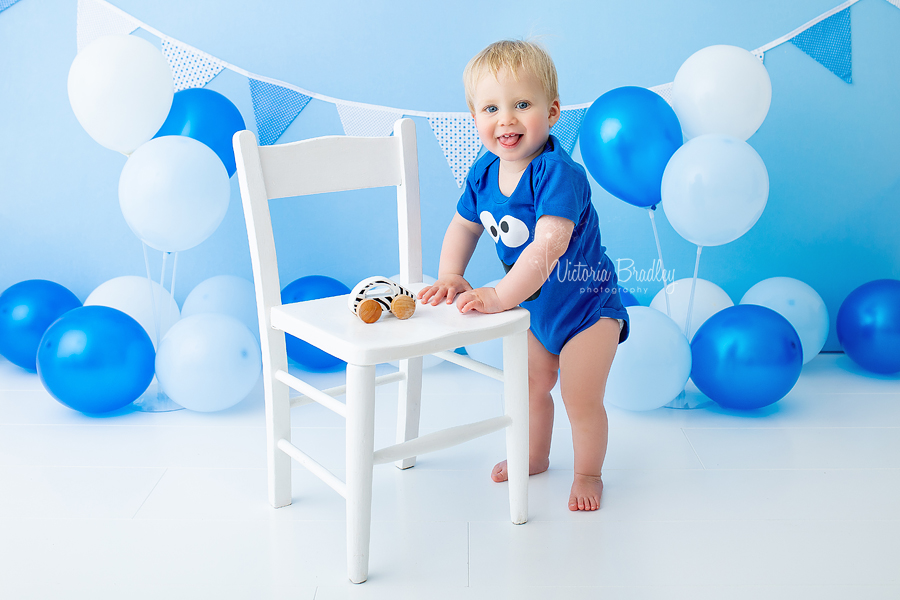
374, 295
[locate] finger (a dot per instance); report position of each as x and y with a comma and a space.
451, 294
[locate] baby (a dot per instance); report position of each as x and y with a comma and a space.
535, 202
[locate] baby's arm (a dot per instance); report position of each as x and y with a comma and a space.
532, 269
459, 244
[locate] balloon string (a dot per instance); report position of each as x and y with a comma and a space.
661, 265
174, 267
690, 311
152, 295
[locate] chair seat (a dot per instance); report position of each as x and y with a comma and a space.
330, 325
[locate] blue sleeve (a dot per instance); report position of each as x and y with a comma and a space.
466, 207
559, 190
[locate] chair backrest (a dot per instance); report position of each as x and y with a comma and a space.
318, 165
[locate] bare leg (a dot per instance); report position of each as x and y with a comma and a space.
584, 366
543, 370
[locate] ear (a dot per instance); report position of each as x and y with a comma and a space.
555, 112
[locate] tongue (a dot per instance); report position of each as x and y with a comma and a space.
510, 140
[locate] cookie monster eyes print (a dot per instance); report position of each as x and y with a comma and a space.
373, 295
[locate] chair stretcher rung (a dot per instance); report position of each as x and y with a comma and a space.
311, 392
439, 440
335, 391
471, 364
313, 467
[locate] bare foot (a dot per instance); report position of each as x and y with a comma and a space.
499, 473
586, 492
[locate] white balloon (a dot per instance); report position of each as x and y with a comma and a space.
714, 189
723, 90
174, 192
652, 366
224, 295
208, 362
800, 304
708, 300
132, 295
120, 88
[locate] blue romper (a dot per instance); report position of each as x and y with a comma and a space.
582, 287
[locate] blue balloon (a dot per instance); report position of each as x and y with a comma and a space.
96, 359
746, 357
627, 137
208, 117
311, 287
868, 326
627, 297
26, 311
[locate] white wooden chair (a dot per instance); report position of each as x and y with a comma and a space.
336, 163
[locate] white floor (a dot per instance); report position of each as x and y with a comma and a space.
798, 500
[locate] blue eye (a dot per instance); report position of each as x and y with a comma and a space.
490, 109
522, 105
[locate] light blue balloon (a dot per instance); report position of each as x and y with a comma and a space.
800, 304
652, 366
174, 192
714, 189
224, 295
208, 362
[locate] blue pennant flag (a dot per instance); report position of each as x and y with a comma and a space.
828, 42
566, 129
275, 108
4, 4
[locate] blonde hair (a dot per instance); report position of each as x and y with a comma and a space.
515, 56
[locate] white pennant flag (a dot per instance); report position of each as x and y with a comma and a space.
96, 19
458, 136
191, 68
895, 3
664, 90
367, 122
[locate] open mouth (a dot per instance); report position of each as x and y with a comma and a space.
510, 140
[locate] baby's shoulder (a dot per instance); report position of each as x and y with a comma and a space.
555, 163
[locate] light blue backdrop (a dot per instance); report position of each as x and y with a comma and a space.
832, 149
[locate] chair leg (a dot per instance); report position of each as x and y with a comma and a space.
408, 407
360, 454
278, 426
515, 394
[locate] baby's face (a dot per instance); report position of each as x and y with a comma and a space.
513, 117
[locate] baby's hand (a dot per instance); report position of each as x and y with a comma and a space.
446, 287
483, 300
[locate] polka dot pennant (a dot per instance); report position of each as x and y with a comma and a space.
190, 68
275, 108
4, 4
458, 137
566, 129
664, 90
828, 42
362, 121
96, 19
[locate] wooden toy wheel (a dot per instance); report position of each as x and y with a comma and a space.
403, 307
369, 310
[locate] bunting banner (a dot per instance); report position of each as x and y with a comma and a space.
366, 121
191, 68
828, 43
4, 4
458, 137
566, 129
664, 90
96, 18
276, 108
827, 39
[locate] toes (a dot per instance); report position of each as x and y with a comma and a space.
499, 473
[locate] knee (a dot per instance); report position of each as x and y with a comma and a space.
541, 382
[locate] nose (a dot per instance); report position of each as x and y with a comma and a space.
507, 117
